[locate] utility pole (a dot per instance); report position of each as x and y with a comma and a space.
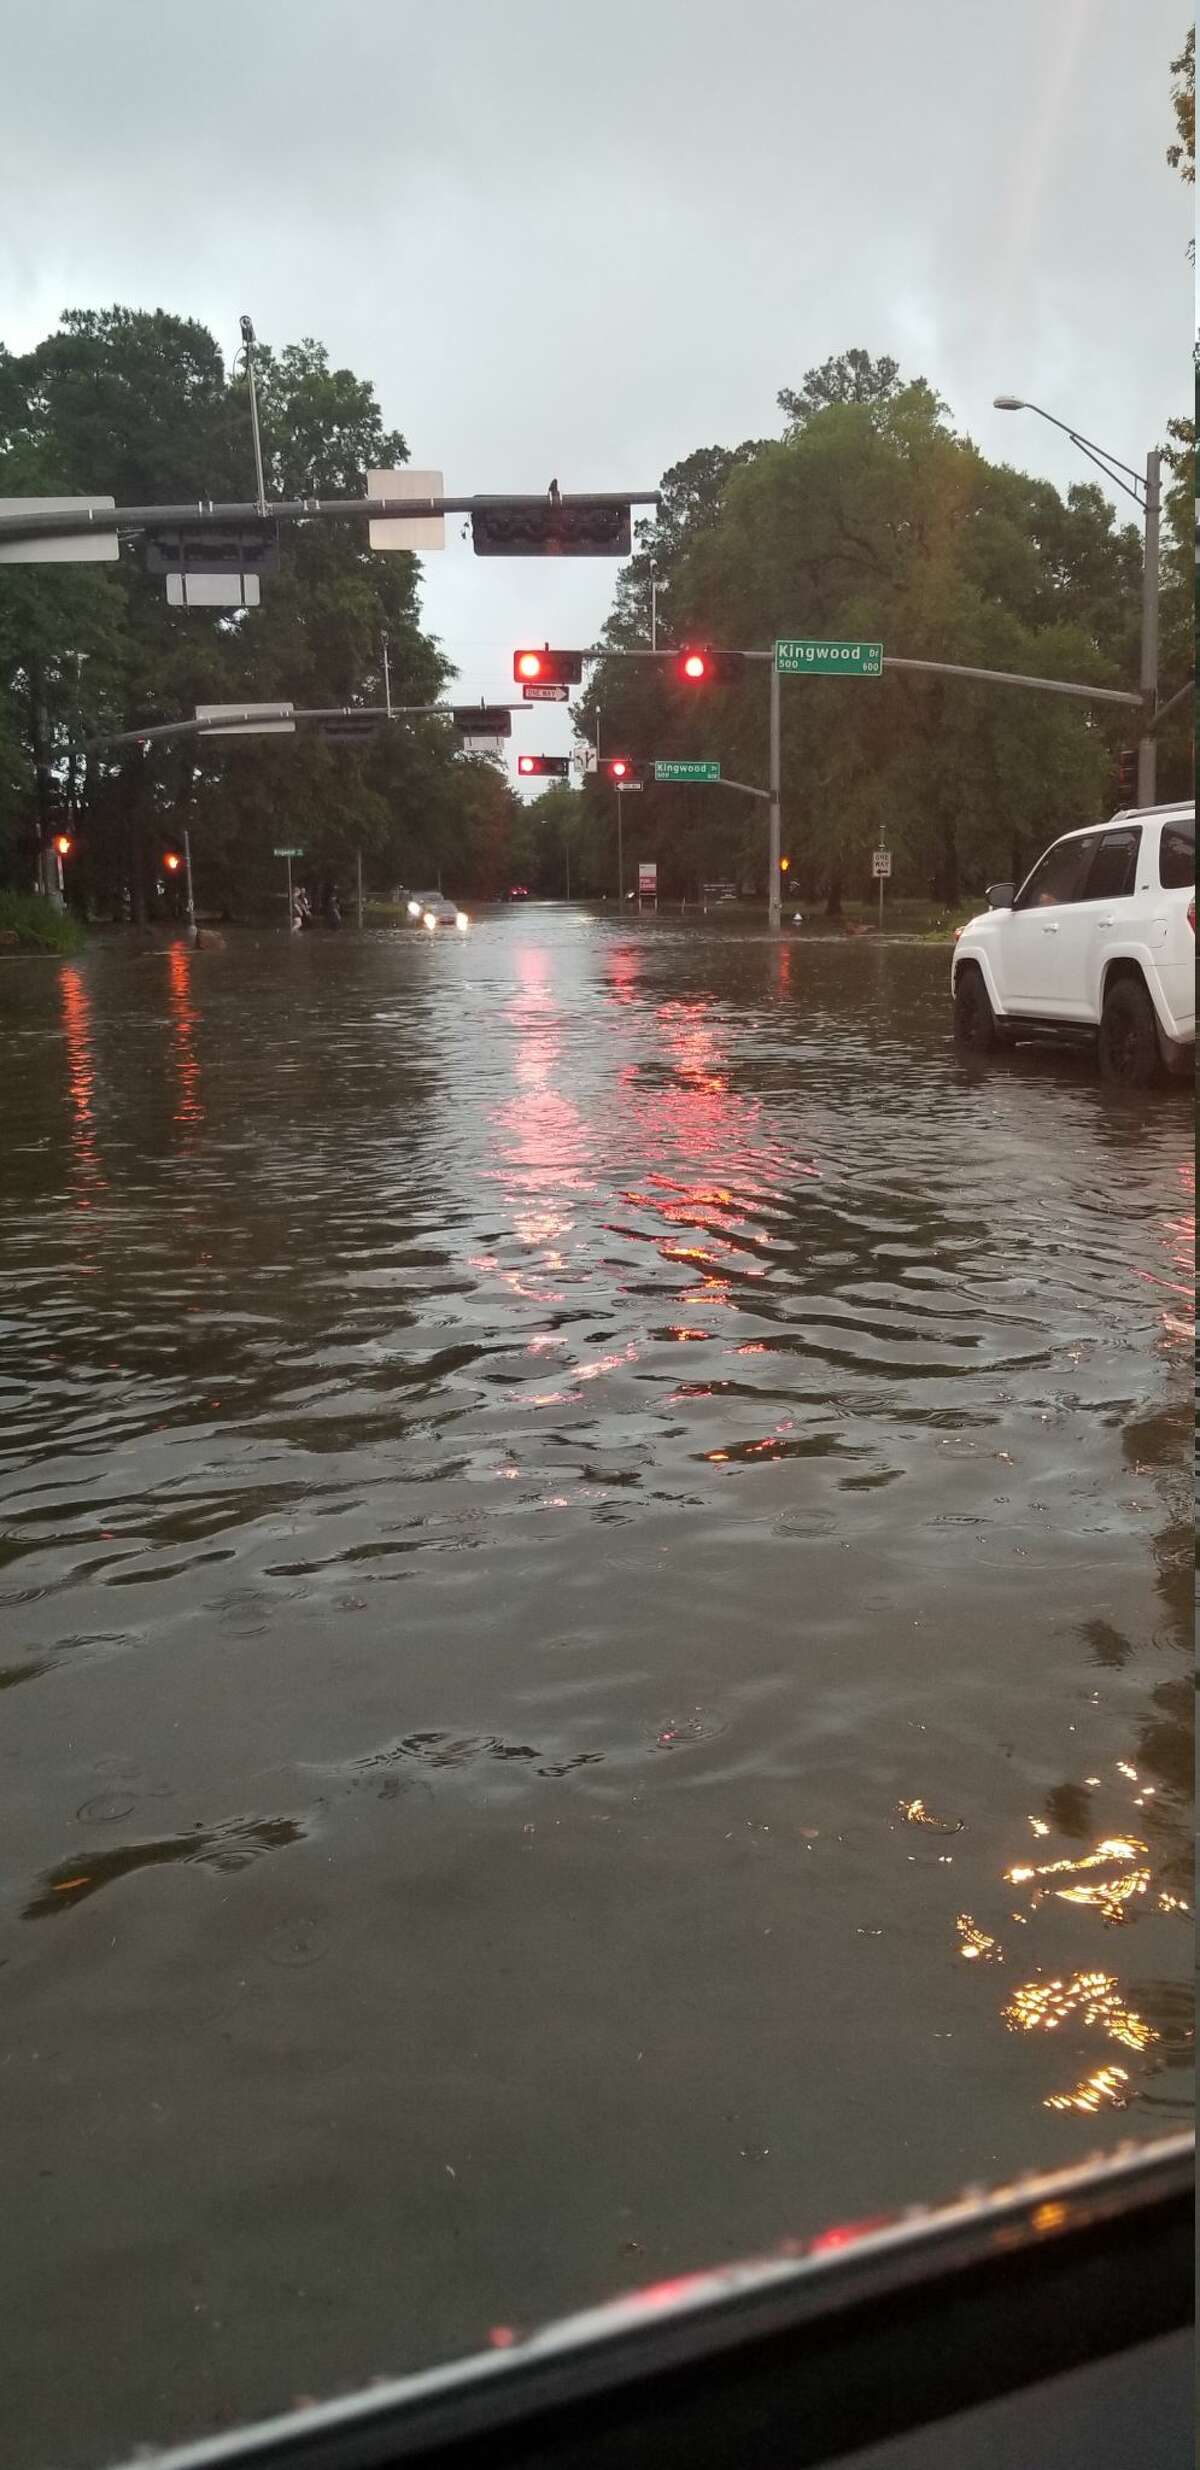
187, 880
387, 678
248, 345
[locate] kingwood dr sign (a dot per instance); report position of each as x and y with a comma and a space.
827, 657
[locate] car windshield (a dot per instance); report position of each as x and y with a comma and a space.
594, 1514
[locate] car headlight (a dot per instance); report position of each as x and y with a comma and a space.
462, 921
414, 909
431, 921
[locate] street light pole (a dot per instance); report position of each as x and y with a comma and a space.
1149, 505
187, 880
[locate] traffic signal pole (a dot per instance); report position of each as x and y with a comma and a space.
1147, 773
775, 811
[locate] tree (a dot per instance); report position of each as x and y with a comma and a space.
847, 377
1182, 155
140, 403
872, 516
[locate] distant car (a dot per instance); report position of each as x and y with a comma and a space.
518, 892
432, 909
1099, 945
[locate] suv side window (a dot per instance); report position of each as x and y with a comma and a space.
1112, 875
1055, 876
1177, 857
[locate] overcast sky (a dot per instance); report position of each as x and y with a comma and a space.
579, 241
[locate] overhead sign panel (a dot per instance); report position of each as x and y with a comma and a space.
85, 548
187, 591
670, 770
825, 656
414, 532
355, 725
246, 720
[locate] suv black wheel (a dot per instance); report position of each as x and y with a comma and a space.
974, 1019
1128, 1036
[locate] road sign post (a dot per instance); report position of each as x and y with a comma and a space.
881, 868
648, 881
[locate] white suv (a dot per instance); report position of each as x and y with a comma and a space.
1099, 943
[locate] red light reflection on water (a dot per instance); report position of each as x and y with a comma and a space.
543, 1140
81, 1086
189, 1106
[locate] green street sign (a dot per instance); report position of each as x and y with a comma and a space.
817, 656
687, 771
287, 853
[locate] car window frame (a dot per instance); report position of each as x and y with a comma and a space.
1066, 840
1180, 830
1114, 831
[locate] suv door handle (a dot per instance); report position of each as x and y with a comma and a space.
1106, 921
1049, 930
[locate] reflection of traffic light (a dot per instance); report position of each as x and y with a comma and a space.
63, 844
1127, 771
698, 665
546, 668
552, 767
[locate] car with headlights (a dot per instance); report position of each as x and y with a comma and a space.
1097, 945
432, 909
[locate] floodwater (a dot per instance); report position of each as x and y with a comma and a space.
595, 1635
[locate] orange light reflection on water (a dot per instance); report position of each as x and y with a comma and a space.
189, 1106
81, 1086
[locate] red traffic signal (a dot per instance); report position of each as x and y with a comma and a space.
1127, 766
62, 844
172, 861
551, 767
698, 665
625, 771
532, 667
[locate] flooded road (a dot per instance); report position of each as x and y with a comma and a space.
595, 1636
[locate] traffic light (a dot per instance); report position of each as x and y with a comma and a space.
696, 664
172, 861
62, 844
545, 767
1127, 764
502, 528
624, 771
785, 866
532, 667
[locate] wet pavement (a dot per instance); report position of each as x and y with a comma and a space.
596, 1648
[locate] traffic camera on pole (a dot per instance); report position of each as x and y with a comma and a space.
544, 767
532, 667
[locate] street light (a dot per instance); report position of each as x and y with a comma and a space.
1149, 505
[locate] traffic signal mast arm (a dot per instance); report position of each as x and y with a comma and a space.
264, 714
41, 523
